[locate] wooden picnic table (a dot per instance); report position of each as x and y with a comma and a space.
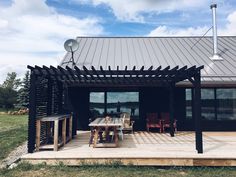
103, 124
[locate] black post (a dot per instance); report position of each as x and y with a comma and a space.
32, 114
171, 106
197, 111
193, 105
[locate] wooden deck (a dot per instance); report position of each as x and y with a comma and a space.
143, 148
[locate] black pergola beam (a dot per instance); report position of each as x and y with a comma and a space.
73, 75
182, 72
95, 72
93, 76
171, 109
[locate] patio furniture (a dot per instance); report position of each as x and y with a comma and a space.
165, 116
152, 121
120, 130
127, 123
55, 119
107, 124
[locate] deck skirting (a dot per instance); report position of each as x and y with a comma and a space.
136, 161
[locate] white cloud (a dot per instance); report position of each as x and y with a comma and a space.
165, 31
132, 10
31, 29
228, 30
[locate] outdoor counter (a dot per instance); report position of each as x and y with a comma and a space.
55, 121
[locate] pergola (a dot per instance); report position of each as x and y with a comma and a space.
48, 89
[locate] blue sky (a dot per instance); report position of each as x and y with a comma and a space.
33, 31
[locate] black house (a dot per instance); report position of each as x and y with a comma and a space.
141, 75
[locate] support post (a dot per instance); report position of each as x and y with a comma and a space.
197, 111
192, 104
32, 114
38, 132
56, 125
64, 130
171, 108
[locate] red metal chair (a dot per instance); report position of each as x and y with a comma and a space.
152, 121
165, 116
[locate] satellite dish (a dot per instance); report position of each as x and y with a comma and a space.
71, 45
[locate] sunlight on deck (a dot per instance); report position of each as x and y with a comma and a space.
148, 145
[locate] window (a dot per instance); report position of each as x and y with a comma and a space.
97, 104
188, 96
118, 102
217, 104
114, 104
226, 104
208, 104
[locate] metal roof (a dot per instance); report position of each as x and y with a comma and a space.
158, 51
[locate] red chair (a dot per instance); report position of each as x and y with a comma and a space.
165, 116
153, 121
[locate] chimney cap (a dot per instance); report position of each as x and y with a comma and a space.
213, 6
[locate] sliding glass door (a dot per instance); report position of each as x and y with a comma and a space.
114, 103
119, 102
96, 104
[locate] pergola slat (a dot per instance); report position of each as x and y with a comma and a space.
93, 76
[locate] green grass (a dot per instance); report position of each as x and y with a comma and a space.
28, 170
13, 132
6, 110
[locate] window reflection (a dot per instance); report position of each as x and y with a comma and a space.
118, 102
208, 104
97, 104
226, 99
188, 96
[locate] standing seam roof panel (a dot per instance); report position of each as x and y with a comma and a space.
178, 53
196, 55
157, 51
156, 58
97, 53
78, 59
162, 60
206, 57
208, 54
226, 63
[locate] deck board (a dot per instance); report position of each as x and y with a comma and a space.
143, 148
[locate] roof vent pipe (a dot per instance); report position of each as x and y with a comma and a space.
215, 56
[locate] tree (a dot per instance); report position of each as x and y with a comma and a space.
23, 92
8, 91
7, 97
11, 81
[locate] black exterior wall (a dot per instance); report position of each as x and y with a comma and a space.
150, 100
79, 99
153, 99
